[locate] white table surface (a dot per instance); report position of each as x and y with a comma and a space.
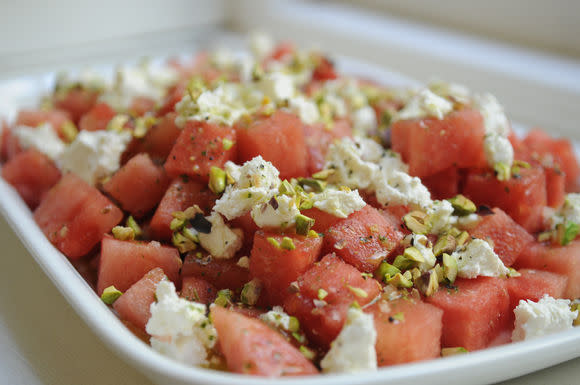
43, 341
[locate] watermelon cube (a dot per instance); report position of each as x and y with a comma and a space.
322, 220
199, 147
475, 311
533, 284
279, 139
252, 347
32, 174
222, 273
138, 186
318, 137
97, 118
125, 262
33, 118
407, 330
275, 267
509, 238
76, 101
158, 141
74, 216
198, 290
444, 184
364, 239
337, 285
133, 306
523, 198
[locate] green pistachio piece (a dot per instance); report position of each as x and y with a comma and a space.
503, 171
462, 238
386, 271
322, 294
324, 174
306, 204
123, 233
546, 236
357, 291
440, 271
176, 224
427, 283
454, 231
413, 254
415, 273
132, 223
293, 324
449, 267
567, 232
183, 243
462, 206
400, 316
69, 130
303, 224
314, 184
286, 188
251, 292
576, 307
446, 352
399, 280
403, 263
227, 143
190, 234
513, 273
217, 180
445, 244
417, 222
313, 234
110, 295
118, 122
287, 244
308, 353
274, 242
224, 297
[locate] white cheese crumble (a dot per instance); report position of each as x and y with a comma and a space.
306, 109
279, 212
42, 138
422, 243
399, 188
278, 86
536, 319
261, 45
494, 117
354, 348
364, 120
569, 212
180, 328
95, 155
441, 216
498, 150
277, 318
221, 242
339, 203
256, 182
478, 259
423, 105
454, 91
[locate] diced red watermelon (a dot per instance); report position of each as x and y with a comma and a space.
33, 118
444, 184
222, 273
279, 139
318, 138
523, 198
97, 117
364, 239
431, 145
76, 101
533, 284
9, 145
322, 220
74, 216
555, 187
174, 95
32, 174
276, 268
199, 147
475, 311
407, 330
138, 186
564, 260
140, 105
341, 282
158, 141
248, 226
198, 290
252, 347
509, 238
324, 70
134, 305
124, 262
181, 194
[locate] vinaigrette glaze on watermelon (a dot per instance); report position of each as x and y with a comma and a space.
263, 214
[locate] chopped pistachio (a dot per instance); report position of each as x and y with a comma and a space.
313, 234
69, 130
227, 143
323, 174
357, 291
462, 206
303, 224
224, 297
462, 238
400, 316
413, 254
308, 353
403, 263
142, 125
286, 188
110, 295
287, 243
440, 271
446, 352
123, 233
386, 271
449, 267
415, 273
183, 243
513, 273
576, 307
132, 223
399, 280
293, 324
454, 231
244, 262
176, 224
306, 204
217, 180
322, 294
428, 283
190, 234
503, 171
566, 232
251, 292
314, 184
118, 122
545, 236
417, 222
274, 242
445, 244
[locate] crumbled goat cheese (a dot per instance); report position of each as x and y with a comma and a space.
339, 203
422, 243
306, 109
423, 105
453, 91
479, 259
278, 86
364, 121
279, 212
498, 150
277, 318
95, 155
257, 182
180, 328
494, 118
347, 158
569, 212
42, 138
354, 348
536, 319
400, 188
441, 216
261, 45
221, 242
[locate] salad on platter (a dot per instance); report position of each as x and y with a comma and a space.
263, 214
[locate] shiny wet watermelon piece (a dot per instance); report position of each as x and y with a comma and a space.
76, 101
444, 184
197, 290
252, 347
222, 273
158, 141
33, 118
533, 284
318, 137
74, 216
97, 117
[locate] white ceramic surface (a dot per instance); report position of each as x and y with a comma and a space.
482, 367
